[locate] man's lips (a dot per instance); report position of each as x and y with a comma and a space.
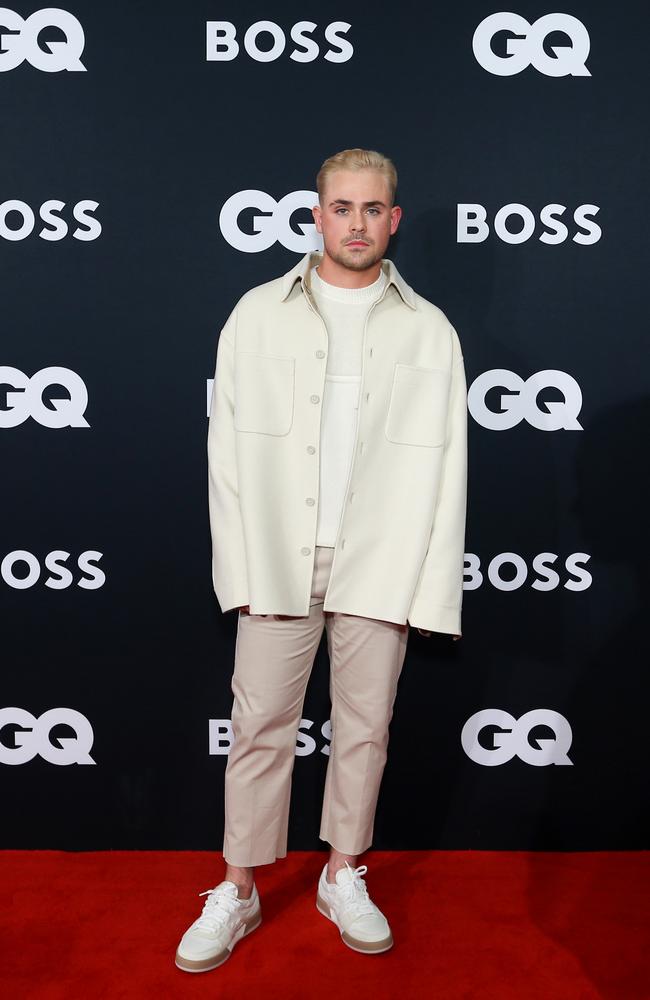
357, 243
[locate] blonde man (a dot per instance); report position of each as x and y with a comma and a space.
337, 452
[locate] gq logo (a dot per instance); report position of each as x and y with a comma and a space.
512, 738
27, 399
525, 46
521, 401
20, 41
272, 227
32, 737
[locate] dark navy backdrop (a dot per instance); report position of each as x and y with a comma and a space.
160, 138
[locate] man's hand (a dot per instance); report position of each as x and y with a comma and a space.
246, 609
423, 631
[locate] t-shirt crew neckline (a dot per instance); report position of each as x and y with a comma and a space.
351, 295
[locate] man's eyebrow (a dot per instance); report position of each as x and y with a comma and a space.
346, 201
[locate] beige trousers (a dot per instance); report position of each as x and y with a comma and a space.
273, 661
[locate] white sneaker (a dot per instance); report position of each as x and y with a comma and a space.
224, 921
362, 925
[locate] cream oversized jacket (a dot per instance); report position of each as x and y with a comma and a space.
399, 553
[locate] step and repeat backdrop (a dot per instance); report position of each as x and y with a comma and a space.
159, 160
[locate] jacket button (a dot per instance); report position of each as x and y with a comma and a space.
305, 551
320, 354
315, 399
311, 449
310, 501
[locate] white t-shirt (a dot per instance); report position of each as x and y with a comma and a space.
344, 311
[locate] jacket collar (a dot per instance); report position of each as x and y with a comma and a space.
302, 272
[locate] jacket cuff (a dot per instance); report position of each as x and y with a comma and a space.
231, 596
232, 605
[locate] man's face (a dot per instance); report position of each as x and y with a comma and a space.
356, 219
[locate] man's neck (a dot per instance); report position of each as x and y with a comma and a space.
335, 274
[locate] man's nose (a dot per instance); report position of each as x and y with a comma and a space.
357, 222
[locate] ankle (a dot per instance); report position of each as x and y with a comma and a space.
334, 866
243, 878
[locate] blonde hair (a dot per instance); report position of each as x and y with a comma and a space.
358, 159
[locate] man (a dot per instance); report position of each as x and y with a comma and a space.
337, 452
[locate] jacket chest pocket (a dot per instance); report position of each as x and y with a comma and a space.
417, 411
264, 391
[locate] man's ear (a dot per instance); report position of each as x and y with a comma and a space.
316, 212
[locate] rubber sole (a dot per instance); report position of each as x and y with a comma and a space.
364, 947
207, 964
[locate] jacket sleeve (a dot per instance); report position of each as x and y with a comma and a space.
229, 574
438, 598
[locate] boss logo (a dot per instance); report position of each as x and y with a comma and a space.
525, 45
55, 227
59, 576
24, 398
517, 573
472, 225
221, 738
521, 400
33, 737
274, 226
513, 738
19, 41
222, 44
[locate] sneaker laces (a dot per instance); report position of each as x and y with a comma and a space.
222, 901
354, 892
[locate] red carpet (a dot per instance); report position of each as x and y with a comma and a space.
468, 925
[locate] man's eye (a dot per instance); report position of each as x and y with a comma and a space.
375, 211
